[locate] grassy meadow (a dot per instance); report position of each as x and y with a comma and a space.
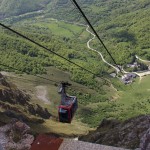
58, 28
132, 100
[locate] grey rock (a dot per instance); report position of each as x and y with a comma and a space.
145, 141
69, 144
127, 134
7, 141
1, 148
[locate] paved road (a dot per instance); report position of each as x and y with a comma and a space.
88, 45
137, 57
69, 144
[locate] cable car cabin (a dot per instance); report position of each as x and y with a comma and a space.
67, 109
68, 105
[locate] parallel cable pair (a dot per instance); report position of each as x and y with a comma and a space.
49, 50
56, 83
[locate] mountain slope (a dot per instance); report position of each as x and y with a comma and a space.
11, 98
122, 25
15, 7
19, 100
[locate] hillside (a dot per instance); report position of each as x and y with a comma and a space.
17, 101
30, 75
11, 100
122, 25
15, 7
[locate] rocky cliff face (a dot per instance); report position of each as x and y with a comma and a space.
11, 94
132, 133
15, 136
11, 97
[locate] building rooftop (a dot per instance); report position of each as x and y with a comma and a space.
46, 142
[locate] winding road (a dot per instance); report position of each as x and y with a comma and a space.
137, 57
88, 45
87, 29
140, 74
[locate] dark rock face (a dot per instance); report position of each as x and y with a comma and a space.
145, 141
3, 81
11, 94
128, 134
42, 112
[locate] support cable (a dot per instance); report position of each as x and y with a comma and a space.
56, 83
49, 50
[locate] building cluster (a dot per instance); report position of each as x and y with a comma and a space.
135, 64
128, 78
134, 67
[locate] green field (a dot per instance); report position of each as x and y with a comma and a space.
137, 99
58, 28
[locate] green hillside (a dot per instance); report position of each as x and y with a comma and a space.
15, 7
122, 25
20, 56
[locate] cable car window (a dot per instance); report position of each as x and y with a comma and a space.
63, 115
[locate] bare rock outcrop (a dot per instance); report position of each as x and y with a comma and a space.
10, 94
145, 141
15, 136
132, 133
3, 81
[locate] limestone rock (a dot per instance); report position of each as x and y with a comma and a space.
15, 136
128, 134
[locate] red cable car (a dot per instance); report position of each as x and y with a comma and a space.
68, 105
